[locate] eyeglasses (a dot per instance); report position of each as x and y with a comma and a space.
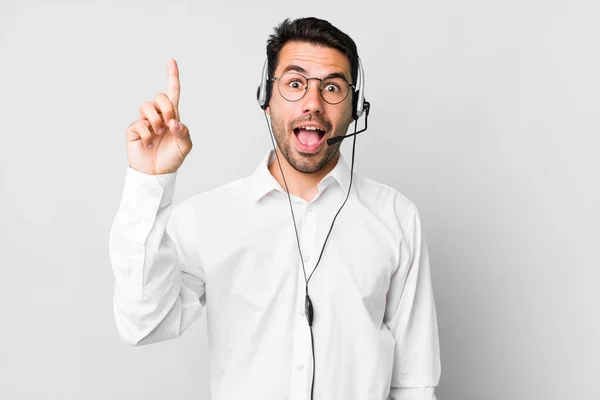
293, 86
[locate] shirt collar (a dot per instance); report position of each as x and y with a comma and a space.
263, 182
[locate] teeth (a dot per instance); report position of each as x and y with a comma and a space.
310, 128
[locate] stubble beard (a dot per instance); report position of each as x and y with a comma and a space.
307, 163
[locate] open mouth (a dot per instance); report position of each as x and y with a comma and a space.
309, 137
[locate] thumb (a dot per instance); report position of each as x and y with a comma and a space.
177, 128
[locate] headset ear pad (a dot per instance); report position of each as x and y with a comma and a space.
268, 96
354, 104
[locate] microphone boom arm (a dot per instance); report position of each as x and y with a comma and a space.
332, 141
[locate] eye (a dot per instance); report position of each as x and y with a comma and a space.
332, 87
295, 84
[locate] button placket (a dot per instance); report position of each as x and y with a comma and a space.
300, 384
309, 238
302, 345
308, 233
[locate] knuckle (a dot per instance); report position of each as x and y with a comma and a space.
163, 103
159, 97
134, 128
155, 121
141, 125
144, 134
145, 105
142, 129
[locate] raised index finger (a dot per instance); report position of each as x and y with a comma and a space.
173, 89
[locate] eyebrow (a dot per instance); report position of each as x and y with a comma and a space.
337, 75
297, 68
293, 67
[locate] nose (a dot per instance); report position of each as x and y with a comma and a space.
312, 102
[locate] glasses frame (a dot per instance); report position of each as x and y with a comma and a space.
278, 79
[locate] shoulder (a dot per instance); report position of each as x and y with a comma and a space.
386, 197
228, 194
393, 209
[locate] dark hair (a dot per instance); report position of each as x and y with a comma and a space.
314, 31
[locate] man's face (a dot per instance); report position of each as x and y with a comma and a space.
287, 117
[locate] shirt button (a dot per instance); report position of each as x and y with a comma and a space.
155, 193
300, 367
309, 209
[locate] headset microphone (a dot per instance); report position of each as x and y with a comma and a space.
334, 140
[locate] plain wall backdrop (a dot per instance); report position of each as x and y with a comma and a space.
486, 114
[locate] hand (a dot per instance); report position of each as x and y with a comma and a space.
157, 143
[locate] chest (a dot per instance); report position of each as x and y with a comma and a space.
259, 262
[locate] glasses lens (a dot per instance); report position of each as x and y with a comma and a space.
334, 90
292, 86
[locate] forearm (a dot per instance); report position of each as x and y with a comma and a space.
151, 302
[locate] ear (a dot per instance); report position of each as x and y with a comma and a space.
268, 110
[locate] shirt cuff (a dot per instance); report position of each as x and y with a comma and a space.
141, 189
423, 393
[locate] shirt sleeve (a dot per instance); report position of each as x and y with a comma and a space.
159, 286
410, 315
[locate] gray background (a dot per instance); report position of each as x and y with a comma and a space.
485, 114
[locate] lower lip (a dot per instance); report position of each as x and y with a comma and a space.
309, 149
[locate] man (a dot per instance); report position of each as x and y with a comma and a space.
233, 254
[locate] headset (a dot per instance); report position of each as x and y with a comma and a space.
359, 106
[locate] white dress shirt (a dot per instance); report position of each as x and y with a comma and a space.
231, 254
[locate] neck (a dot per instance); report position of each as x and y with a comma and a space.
300, 184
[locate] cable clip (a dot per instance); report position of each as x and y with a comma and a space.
308, 310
